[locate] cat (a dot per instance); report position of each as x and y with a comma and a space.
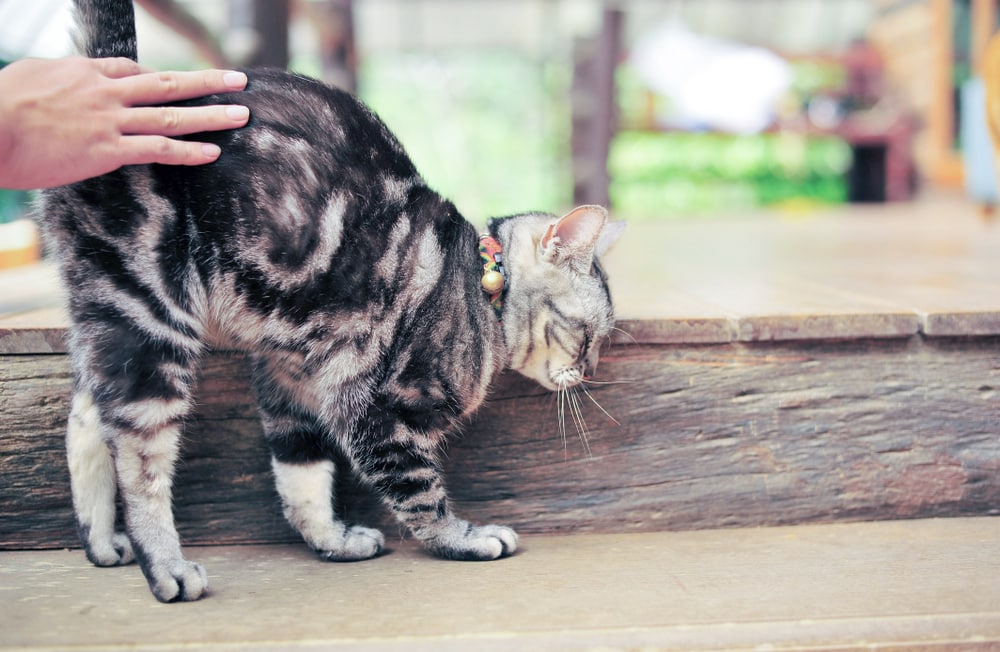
313, 245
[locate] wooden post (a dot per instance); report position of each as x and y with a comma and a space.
270, 20
946, 168
333, 21
984, 19
594, 112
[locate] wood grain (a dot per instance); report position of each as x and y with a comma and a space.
920, 585
721, 435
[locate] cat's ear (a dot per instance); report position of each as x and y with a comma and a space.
609, 236
573, 238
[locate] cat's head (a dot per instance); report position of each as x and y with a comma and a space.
556, 309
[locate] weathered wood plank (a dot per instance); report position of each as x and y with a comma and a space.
761, 434
736, 434
31, 340
921, 586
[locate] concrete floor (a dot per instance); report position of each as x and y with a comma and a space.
917, 584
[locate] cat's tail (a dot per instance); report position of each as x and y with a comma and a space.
107, 28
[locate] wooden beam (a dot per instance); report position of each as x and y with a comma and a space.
738, 434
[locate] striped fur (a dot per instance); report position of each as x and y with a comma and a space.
314, 245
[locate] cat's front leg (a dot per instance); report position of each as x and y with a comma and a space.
304, 474
408, 477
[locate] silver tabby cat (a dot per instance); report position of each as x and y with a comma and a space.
314, 245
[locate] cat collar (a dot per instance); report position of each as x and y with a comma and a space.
494, 279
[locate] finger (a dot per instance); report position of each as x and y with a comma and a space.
118, 67
177, 120
164, 87
138, 150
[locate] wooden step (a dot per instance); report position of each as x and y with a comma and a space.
708, 436
904, 585
771, 371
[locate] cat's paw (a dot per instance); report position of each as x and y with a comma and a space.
358, 543
178, 580
116, 552
466, 542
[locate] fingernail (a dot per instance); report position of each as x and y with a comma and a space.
235, 80
238, 113
210, 150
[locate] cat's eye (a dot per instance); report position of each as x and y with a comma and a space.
585, 348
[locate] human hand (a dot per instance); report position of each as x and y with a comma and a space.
65, 120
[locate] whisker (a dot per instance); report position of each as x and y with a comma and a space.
568, 401
561, 414
581, 423
599, 406
608, 382
626, 334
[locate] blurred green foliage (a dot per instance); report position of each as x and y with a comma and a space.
14, 204
811, 76
487, 129
659, 174
490, 130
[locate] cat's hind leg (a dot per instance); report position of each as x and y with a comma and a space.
140, 392
306, 491
145, 465
92, 479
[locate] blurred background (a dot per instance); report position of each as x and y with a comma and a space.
669, 109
